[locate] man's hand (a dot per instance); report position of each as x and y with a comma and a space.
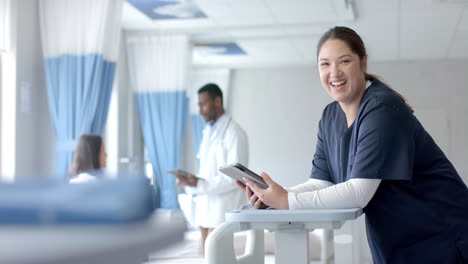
274, 196
181, 180
192, 180
184, 180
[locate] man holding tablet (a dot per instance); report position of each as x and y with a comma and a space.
224, 142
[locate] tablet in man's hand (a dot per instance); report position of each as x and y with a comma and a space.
184, 174
237, 171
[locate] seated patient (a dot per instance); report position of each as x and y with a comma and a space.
89, 157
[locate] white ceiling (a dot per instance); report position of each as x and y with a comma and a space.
279, 32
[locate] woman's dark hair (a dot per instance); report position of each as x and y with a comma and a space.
355, 43
86, 154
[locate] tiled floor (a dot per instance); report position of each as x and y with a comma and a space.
188, 251
178, 261
269, 259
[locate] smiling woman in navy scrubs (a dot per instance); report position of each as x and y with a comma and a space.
373, 153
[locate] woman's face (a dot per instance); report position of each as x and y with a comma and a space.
102, 156
342, 72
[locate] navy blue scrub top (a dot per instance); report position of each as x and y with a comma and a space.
419, 213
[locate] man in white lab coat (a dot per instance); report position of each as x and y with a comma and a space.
224, 142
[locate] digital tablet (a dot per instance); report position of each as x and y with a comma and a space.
184, 174
237, 171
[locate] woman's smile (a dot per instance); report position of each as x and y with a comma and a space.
338, 85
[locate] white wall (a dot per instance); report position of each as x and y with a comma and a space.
35, 143
437, 90
280, 110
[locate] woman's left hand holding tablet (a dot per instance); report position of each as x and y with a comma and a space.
274, 196
253, 199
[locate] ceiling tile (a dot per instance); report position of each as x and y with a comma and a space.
377, 22
302, 11
309, 29
427, 28
133, 19
306, 47
199, 60
258, 32
236, 12
269, 48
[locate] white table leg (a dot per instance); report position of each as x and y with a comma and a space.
292, 246
327, 253
220, 246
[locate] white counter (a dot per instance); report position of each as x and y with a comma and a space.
291, 229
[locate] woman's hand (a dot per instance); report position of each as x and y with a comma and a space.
274, 196
253, 199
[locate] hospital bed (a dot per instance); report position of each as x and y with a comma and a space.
129, 243
109, 221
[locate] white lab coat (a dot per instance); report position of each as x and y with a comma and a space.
217, 193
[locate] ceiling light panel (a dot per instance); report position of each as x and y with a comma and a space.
135, 19
270, 49
163, 9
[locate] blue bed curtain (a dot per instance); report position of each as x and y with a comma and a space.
79, 90
159, 66
80, 45
163, 116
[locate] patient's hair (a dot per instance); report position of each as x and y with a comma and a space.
86, 154
212, 89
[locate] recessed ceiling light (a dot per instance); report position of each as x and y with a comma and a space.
164, 9
220, 49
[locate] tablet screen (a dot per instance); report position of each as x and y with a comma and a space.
237, 171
